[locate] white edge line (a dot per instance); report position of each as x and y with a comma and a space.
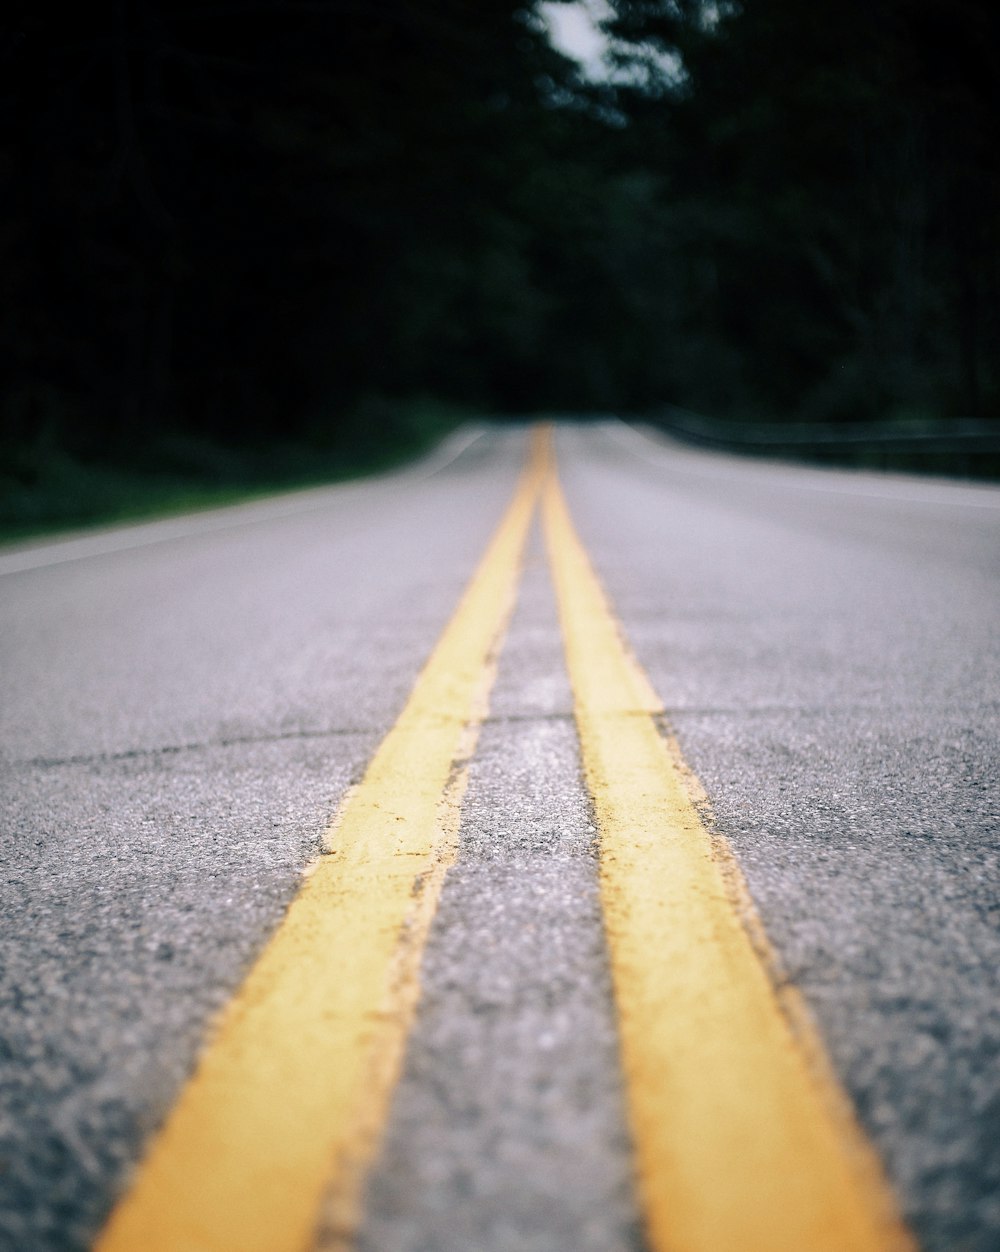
443, 455
230, 517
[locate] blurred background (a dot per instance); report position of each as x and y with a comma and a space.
249, 244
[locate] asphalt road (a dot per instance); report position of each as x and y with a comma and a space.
183, 704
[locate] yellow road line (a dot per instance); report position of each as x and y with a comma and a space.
743, 1141
291, 1092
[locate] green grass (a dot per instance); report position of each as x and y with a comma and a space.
45, 491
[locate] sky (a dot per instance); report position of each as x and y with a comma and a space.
573, 30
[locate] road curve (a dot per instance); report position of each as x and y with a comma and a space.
186, 703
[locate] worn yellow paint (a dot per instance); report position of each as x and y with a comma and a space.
288, 1098
743, 1141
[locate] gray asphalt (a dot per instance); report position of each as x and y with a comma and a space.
179, 721
508, 1128
183, 703
828, 649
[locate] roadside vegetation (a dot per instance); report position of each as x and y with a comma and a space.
44, 488
242, 241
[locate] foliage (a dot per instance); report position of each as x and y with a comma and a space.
258, 220
835, 198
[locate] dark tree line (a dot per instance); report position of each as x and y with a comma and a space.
833, 203
245, 218
254, 220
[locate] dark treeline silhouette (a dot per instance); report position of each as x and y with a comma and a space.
239, 222
832, 203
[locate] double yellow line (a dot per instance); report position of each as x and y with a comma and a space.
743, 1140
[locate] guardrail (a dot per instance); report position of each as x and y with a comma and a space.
958, 445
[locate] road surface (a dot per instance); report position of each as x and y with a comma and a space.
188, 704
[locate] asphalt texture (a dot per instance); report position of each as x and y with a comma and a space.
182, 705
508, 1129
827, 646
179, 722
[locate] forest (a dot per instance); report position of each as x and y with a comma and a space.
245, 237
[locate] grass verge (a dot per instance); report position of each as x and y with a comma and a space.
44, 490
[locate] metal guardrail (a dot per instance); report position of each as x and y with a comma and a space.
961, 447
967, 437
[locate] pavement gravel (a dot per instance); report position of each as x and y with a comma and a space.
179, 721
827, 649
508, 1129
182, 705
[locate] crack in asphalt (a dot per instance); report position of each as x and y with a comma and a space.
174, 749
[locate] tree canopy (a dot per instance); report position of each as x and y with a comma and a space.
255, 219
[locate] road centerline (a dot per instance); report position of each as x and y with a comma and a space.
292, 1088
742, 1138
